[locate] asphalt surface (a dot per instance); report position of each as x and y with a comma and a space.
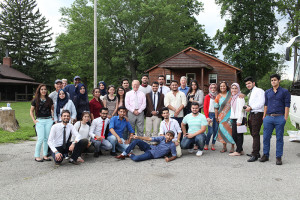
214, 175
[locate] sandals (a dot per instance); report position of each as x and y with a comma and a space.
235, 154
47, 159
38, 160
231, 150
223, 150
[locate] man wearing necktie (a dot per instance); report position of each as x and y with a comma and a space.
59, 140
154, 104
135, 103
162, 88
97, 133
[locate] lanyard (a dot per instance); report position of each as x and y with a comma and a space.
167, 126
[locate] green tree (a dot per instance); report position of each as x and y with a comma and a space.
249, 35
290, 9
24, 32
133, 35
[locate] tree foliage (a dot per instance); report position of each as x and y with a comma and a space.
24, 32
133, 35
249, 35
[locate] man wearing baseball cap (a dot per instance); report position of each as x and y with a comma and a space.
71, 87
58, 85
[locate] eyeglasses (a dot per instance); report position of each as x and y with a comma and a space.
86, 111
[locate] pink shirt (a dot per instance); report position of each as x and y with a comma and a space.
130, 101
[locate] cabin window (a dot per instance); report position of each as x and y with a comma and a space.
168, 79
212, 78
190, 77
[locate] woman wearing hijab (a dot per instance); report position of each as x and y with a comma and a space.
63, 103
209, 111
81, 100
237, 115
102, 87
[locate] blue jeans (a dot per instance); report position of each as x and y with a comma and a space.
42, 127
270, 123
212, 130
143, 146
188, 143
116, 145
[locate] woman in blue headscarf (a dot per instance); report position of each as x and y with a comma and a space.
81, 100
63, 103
102, 87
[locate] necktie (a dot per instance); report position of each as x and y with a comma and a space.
64, 138
136, 101
102, 131
161, 89
154, 101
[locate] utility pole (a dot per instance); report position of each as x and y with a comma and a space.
95, 43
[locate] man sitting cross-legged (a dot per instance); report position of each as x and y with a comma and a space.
171, 124
196, 132
116, 128
164, 147
59, 140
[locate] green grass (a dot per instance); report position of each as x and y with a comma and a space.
26, 131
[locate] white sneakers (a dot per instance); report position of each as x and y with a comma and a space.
199, 153
191, 150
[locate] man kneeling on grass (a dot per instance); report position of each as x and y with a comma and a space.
162, 149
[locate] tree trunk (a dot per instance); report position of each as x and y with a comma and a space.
8, 120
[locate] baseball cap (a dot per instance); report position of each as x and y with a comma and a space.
58, 81
76, 77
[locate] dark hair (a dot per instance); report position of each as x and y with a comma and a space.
164, 109
145, 75
174, 81
100, 101
162, 76
171, 132
249, 78
65, 111
227, 87
125, 79
195, 104
103, 108
84, 113
191, 89
110, 86
275, 76
118, 96
37, 99
155, 82
121, 108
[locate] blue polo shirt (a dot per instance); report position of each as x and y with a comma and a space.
70, 88
163, 148
185, 90
119, 126
277, 102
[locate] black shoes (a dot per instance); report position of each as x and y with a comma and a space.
278, 161
96, 154
113, 153
264, 158
250, 155
252, 159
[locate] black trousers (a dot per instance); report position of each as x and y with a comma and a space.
255, 121
237, 137
76, 152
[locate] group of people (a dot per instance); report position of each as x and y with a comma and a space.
72, 125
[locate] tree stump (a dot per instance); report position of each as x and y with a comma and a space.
8, 120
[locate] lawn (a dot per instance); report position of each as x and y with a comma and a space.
26, 131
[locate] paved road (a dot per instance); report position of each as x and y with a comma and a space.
212, 176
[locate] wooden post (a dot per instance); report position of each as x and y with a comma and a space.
8, 120
202, 75
26, 95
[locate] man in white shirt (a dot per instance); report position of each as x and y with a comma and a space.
175, 101
255, 106
59, 140
162, 88
144, 87
97, 133
171, 124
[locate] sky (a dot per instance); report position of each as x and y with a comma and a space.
210, 18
